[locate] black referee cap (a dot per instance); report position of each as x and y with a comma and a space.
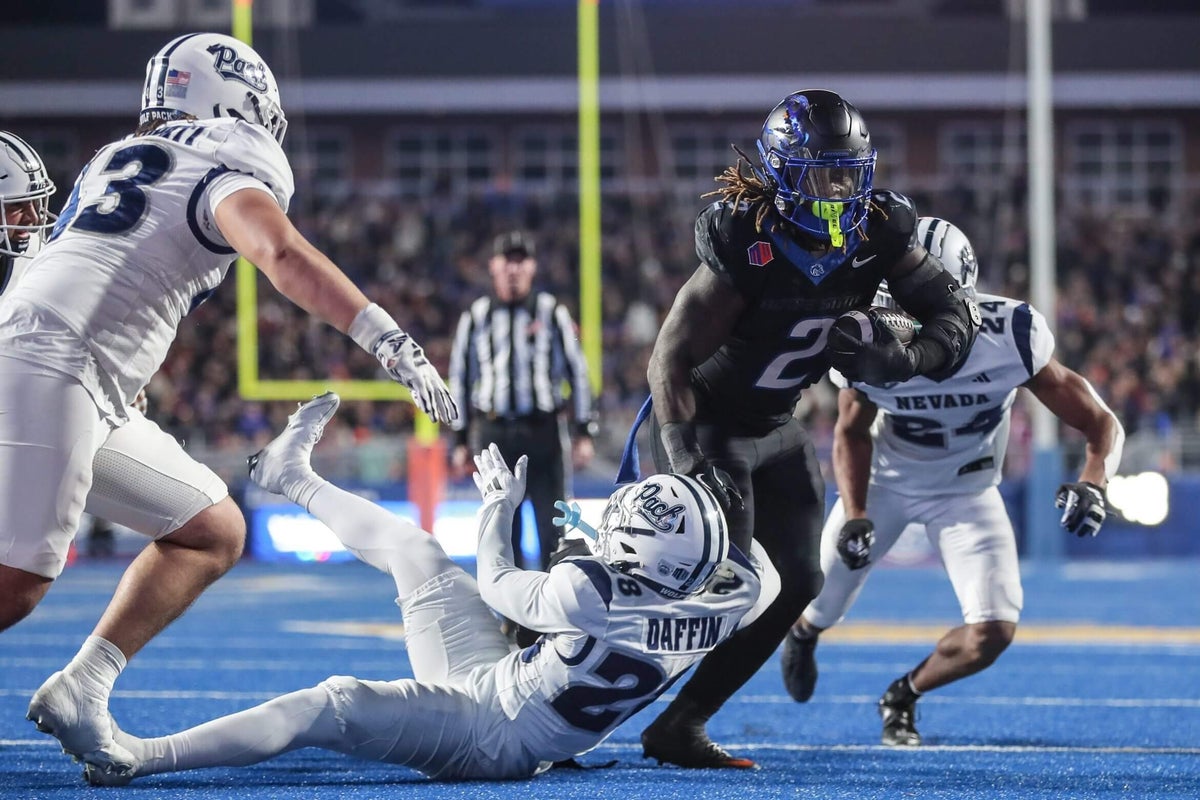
513, 243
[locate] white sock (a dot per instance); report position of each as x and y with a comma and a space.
299, 719
98, 663
379, 538
300, 489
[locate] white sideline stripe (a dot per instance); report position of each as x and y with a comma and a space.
932, 748
754, 699
1078, 702
756, 747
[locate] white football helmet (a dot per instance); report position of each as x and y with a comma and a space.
948, 244
23, 179
209, 75
667, 530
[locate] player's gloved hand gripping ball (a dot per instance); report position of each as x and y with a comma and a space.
871, 346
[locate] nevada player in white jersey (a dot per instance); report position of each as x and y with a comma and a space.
25, 218
662, 589
931, 452
149, 231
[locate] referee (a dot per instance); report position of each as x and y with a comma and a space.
513, 350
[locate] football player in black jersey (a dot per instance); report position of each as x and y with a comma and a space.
791, 244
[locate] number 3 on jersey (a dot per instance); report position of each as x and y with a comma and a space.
122, 204
781, 372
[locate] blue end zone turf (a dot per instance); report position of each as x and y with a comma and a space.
1099, 697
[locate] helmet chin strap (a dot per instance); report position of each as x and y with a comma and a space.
831, 212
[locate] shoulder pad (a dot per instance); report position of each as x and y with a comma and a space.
892, 222
727, 242
253, 150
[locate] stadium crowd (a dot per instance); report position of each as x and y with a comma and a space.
1127, 283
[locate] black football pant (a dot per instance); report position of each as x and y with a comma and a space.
784, 493
542, 438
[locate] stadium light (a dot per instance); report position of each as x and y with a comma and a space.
1143, 498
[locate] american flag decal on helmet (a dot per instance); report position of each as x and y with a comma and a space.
760, 254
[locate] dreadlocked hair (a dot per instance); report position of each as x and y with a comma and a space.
748, 187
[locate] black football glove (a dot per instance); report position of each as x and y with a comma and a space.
719, 482
686, 458
855, 541
877, 363
1083, 506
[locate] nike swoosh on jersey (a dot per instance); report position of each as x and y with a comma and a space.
856, 263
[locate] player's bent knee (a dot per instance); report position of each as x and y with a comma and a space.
20, 592
987, 640
219, 530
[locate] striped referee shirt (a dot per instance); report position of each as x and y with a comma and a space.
510, 361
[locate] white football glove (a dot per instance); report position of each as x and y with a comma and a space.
405, 362
494, 479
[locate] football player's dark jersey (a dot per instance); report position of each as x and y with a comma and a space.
777, 347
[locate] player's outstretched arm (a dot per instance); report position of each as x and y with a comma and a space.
1073, 400
526, 597
254, 225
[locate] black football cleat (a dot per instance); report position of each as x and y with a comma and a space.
899, 716
799, 665
688, 746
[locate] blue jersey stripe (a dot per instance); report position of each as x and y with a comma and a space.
1023, 335
599, 576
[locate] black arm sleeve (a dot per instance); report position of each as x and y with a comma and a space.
949, 317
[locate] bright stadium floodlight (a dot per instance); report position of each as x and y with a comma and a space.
1143, 498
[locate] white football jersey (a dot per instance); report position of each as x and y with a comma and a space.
13, 267
950, 436
134, 250
568, 691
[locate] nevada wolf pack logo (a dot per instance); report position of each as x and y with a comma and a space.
232, 67
657, 512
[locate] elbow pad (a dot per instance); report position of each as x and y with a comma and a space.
949, 317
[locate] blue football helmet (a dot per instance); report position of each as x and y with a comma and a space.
816, 149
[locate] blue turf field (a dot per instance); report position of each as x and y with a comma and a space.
1098, 698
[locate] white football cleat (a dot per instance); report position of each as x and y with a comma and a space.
283, 467
81, 723
106, 774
